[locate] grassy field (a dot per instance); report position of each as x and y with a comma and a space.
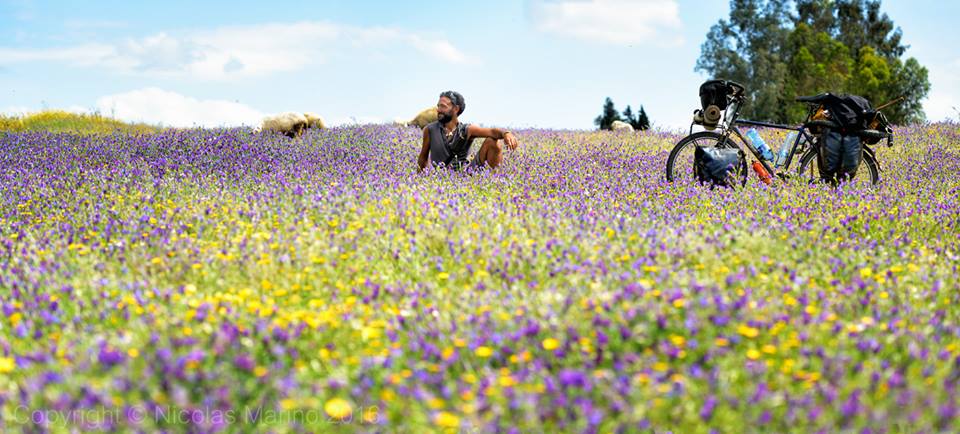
59, 121
225, 281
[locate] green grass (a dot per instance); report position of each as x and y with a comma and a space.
66, 122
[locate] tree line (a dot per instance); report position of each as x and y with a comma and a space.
780, 49
638, 121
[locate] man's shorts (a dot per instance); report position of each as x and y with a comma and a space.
474, 162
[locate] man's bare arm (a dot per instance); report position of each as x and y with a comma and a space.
424, 150
474, 131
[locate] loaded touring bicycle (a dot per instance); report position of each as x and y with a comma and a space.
832, 145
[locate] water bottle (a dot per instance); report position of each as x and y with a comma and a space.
762, 173
785, 149
761, 146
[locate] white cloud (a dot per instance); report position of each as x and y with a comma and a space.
655, 22
237, 51
157, 106
443, 50
381, 37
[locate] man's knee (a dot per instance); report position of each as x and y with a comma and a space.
493, 145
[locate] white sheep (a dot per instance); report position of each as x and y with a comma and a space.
621, 126
291, 124
425, 117
314, 121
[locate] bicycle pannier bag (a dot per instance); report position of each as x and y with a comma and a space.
840, 156
713, 101
851, 112
714, 92
718, 166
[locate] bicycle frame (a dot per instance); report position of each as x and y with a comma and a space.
729, 126
795, 148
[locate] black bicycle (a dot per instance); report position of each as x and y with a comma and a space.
720, 116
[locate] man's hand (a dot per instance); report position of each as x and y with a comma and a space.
510, 140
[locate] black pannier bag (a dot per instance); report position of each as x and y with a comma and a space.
718, 166
714, 92
841, 148
840, 156
850, 112
713, 101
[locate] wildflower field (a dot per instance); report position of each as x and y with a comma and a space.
225, 281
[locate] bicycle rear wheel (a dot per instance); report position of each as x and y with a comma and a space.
867, 174
680, 161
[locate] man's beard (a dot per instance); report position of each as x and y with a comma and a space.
444, 118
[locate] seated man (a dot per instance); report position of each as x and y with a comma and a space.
447, 141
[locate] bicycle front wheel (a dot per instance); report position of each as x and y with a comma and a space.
680, 162
867, 174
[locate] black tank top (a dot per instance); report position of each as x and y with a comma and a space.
448, 149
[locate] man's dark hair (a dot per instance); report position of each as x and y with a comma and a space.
456, 99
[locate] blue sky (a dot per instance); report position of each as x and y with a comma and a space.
530, 63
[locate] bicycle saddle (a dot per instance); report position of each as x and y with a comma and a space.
813, 99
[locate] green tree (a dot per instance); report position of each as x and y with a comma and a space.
817, 15
880, 74
643, 123
839, 46
909, 80
871, 76
605, 120
629, 118
750, 49
861, 24
818, 64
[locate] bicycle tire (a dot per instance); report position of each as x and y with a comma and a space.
706, 136
806, 164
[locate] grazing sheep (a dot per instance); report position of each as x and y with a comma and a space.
289, 123
621, 126
314, 121
421, 120
292, 124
